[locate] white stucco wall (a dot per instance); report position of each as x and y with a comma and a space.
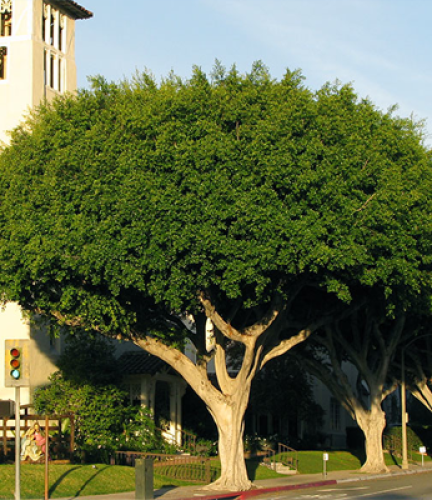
22, 89
24, 86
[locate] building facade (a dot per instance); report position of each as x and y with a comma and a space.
37, 63
37, 55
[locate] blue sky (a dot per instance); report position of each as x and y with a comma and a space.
383, 47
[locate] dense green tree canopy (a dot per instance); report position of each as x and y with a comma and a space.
132, 198
253, 203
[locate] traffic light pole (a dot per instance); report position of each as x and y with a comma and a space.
17, 443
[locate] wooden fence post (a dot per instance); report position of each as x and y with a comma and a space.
5, 447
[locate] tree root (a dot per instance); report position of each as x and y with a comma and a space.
223, 484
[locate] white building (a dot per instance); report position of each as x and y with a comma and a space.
37, 63
37, 55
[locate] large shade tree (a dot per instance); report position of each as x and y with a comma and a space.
417, 361
146, 211
355, 357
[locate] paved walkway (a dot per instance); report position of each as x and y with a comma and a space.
262, 487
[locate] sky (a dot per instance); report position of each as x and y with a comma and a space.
382, 47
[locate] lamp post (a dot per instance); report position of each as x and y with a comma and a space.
404, 414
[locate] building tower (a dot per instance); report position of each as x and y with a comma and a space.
37, 55
37, 62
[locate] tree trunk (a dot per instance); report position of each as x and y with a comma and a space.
227, 408
422, 392
229, 420
372, 424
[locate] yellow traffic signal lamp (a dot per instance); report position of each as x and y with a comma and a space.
17, 369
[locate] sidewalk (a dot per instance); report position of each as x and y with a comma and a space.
263, 487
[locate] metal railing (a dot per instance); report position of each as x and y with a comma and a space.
188, 440
185, 467
283, 455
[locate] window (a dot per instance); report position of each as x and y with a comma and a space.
52, 28
61, 33
5, 17
3, 62
59, 75
45, 68
44, 21
335, 412
54, 36
51, 70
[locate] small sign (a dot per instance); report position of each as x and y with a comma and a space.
325, 457
422, 450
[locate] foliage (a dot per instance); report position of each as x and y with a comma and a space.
206, 448
140, 433
119, 204
88, 359
255, 203
104, 419
416, 436
255, 443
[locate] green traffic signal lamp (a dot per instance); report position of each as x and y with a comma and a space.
15, 363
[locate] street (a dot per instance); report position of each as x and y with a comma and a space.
415, 486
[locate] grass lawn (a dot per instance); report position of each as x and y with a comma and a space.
393, 460
311, 462
73, 480
80, 480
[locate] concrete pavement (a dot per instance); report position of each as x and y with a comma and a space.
263, 487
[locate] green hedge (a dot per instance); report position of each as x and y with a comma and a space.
416, 436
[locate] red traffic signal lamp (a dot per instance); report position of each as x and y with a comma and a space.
16, 363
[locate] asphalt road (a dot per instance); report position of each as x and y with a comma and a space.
415, 486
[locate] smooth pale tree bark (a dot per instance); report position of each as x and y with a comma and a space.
418, 366
372, 423
227, 403
422, 392
369, 343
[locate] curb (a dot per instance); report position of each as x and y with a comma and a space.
384, 476
244, 495
261, 491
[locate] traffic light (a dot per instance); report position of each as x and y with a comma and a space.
16, 363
